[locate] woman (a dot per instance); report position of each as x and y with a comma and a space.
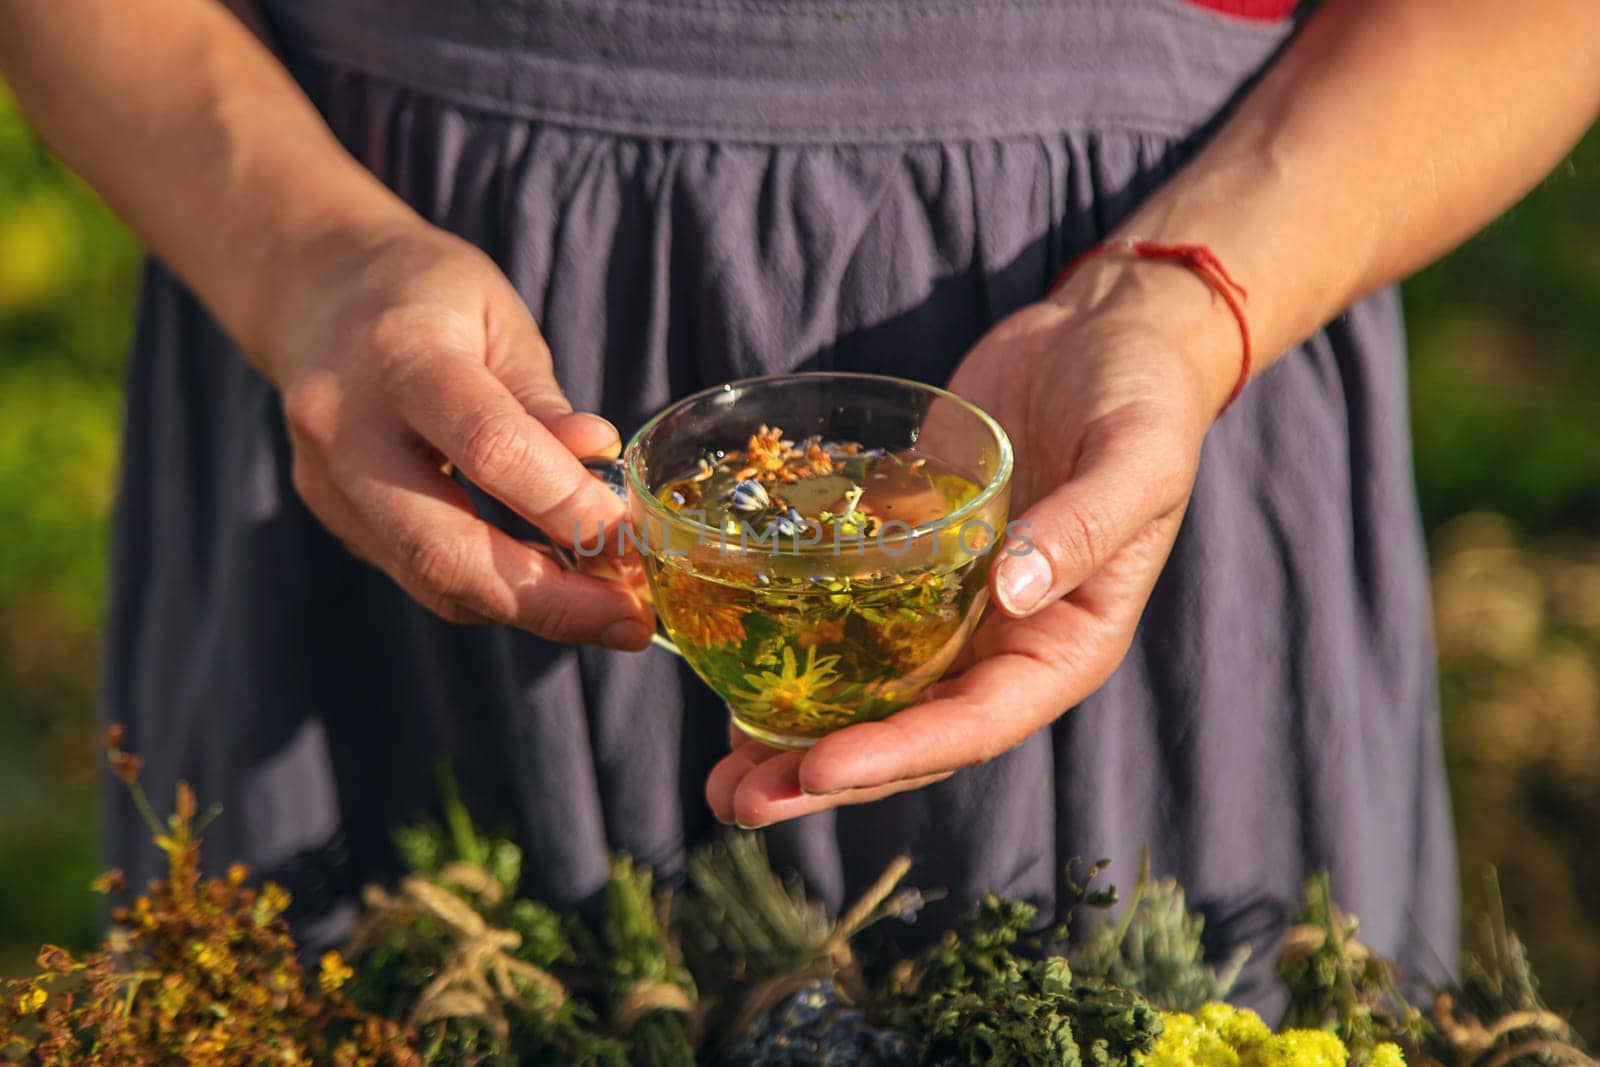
352, 236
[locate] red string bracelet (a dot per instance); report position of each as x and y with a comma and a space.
1205, 265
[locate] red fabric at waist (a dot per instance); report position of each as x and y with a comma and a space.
1265, 10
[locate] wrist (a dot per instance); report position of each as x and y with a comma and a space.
1172, 300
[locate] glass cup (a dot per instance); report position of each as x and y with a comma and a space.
804, 636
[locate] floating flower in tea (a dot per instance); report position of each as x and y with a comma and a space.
789, 698
747, 498
691, 619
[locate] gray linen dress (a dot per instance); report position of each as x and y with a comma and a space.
690, 191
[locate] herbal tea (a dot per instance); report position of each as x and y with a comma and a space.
799, 651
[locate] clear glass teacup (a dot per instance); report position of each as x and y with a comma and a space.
831, 590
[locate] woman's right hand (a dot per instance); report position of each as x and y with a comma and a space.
402, 352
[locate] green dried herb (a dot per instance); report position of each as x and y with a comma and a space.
471, 966
977, 997
1336, 983
752, 937
652, 996
1493, 1015
1156, 949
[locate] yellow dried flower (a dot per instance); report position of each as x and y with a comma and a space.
1239, 1027
203, 954
1387, 1055
1186, 1042
31, 1000
112, 881
273, 902
333, 972
1299, 1048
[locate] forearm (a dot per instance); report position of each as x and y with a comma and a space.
195, 134
1387, 133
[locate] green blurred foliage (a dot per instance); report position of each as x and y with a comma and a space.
67, 276
1505, 355
1505, 386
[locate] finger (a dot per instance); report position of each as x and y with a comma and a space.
465, 412
967, 720
519, 356
723, 781
770, 792
433, 544
1130, 473
584, 434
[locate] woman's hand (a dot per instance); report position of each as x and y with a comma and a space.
1106, 392
406, 351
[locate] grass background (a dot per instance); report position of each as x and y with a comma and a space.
1505, 340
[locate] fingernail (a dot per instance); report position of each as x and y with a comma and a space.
613, 447
627, 635
1024, 580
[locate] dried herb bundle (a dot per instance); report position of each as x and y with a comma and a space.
1156, 949
652, 996
1493, 1016
197, 970
1336, 983
978, 997
469, 964
753, 938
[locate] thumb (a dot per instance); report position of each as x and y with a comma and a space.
1125, 477
519, 356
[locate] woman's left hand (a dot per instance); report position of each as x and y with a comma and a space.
1106, 391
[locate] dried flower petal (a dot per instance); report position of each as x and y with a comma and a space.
272, 902
333, 972
31, 1000
112, 881
187, 805
126, 766
54, 958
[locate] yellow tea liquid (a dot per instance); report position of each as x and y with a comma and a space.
801, 650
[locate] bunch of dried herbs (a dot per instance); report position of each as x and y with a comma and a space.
987, 993
753, 938
1337, 984
651, 994
1493, 1015
196, 970
1156, 949
466, 962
